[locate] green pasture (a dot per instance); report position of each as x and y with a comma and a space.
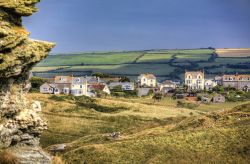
85, 58
127, 69
154, 57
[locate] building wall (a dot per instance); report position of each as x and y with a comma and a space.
45, 88
195, 81
79, 89
148, 82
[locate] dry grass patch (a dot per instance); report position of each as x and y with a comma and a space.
6, 157
240, 52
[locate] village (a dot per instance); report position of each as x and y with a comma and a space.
195, 87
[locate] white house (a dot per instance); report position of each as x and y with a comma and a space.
210, 84
47, 88
98, 87
79, 86
126, 86
195, 80
167, 86
148, 80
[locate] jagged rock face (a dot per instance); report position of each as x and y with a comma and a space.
19, 123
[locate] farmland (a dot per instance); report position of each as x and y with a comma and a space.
151, 132
230, 52
165, 64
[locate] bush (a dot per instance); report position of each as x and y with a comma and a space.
234, 96
124, 79
182, 104
36, 82
7, 157
57, 98
120, 93
218, 89
157, 96
84, 101
101, 75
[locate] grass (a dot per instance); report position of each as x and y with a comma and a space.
240, 52
127, 69
154, 57
162, 63
87, 58
151, 132
192, 57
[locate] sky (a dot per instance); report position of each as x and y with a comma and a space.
113, 25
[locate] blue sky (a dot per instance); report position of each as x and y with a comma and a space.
101, 25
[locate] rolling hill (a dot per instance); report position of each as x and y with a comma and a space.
165, 64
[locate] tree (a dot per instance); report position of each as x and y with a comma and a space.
101, 75
124, 79
36, 82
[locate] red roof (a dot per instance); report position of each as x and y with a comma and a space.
98, 86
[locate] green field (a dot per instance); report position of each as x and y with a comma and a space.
87, 58
166, 64
127, 69
154, 57
151, 132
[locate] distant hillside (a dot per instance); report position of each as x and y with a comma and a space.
165, 64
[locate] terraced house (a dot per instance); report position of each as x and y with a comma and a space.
237, 81
195, 80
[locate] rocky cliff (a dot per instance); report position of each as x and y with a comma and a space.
20, 125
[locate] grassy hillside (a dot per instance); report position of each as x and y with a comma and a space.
165, 64
151, 132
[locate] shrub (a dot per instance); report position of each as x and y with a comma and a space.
182, 104
56, 98
124, 79
36, 82
157, 96
7, 157
101, 75
88, 102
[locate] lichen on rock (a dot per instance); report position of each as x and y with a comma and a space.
20, 125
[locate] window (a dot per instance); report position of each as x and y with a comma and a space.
80, 86
62, 79
45, 89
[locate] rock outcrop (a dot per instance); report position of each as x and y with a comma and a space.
20, 125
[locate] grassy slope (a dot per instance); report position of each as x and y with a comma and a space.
151, 132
